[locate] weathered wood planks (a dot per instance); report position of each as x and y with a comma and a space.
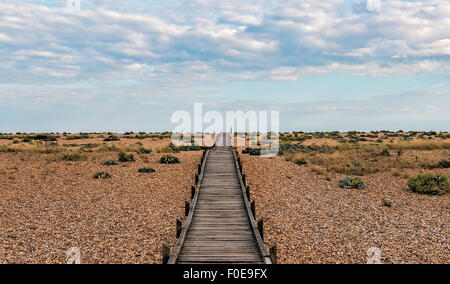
219, 227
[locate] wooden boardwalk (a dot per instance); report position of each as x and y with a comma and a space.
220, 227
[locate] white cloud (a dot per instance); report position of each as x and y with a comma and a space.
174, 48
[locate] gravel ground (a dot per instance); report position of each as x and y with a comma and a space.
48, 206
312, 220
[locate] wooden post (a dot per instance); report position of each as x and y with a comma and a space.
179, 226
243, 179
192, 192
165, 254
187, 207
247, 191
199, 168
240, 168
261, 228
273, 253
196, 179
253, 209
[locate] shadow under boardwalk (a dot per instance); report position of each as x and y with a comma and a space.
220, 231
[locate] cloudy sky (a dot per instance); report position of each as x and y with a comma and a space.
128, 65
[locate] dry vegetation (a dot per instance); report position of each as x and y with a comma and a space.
50, 200
313, 220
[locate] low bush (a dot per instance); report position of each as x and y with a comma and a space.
301, 161
385, 153
252, 151
43, 137
102, 175
111, 138
144, 151
171, 148
110, 163
123, 157
169, 159
147, 170
444, 164
77, 137
300, 148
190, 148
73, 157
429, 184
352, 183
386, 203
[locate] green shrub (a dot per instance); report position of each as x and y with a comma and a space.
252, 151
147, 170
111, 138
168, 159
144, 151
301, 161
43, 137
102, 175
429, 184
72, 157
174, 148
190, 148
352, 183
386, 202
171, 148
123, 157
110, 163
444, 164
77, 137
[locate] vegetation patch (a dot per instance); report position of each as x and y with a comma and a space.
142, 150
301, 161
147, 170
190, 148
111, 138
87, 146
6, 149
73, 157
171, 148
386, 203
429, 184
300, 148
110, 163
123, 157
102, 175
445, 164
352, 183
252, 151
43, 137
77, 137
169, 159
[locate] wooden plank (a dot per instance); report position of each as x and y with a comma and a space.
218, 229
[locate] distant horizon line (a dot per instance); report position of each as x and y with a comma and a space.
170, 132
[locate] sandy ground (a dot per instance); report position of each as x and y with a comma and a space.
48, 206
312, 220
